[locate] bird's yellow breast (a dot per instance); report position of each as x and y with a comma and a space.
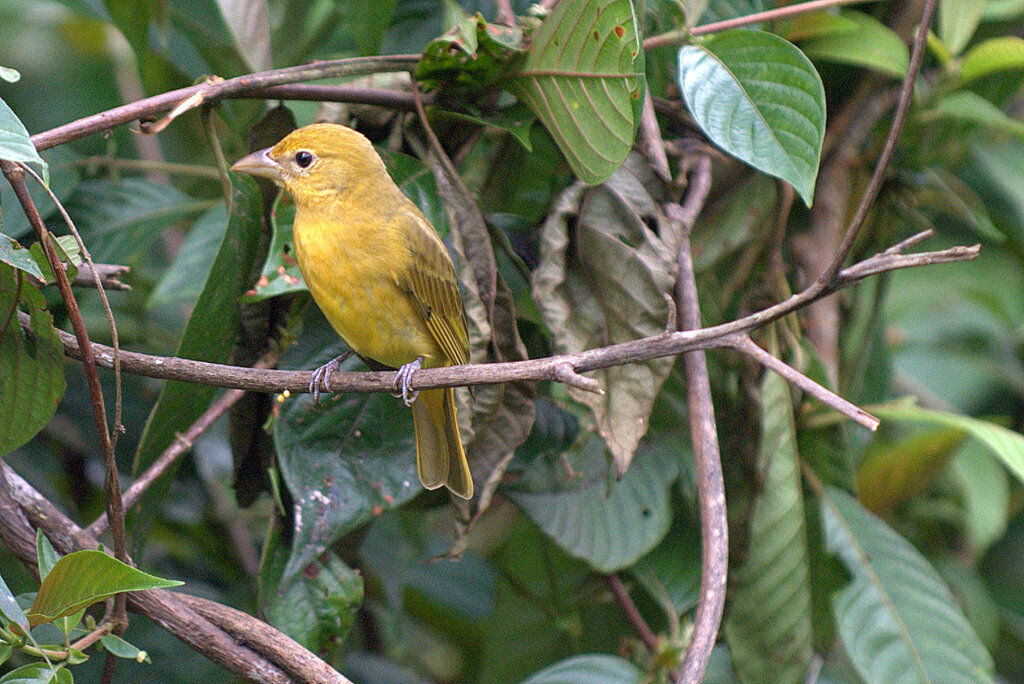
349, 266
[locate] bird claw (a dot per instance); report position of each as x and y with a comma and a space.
403, 381
318, 379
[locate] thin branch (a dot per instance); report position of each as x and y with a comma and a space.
506, 15
745, 345
704, 434
179, 447
109, 275
664, 344
242, 86
680, 36
144, 165
632, 614
898, 119
16, 176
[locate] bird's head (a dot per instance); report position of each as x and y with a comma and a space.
317, 162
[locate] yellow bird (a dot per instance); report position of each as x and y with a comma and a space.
380, 274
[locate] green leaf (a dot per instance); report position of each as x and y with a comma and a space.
992, 55
958, 19
896, 618
818, 24
873, 45
940, 190
211, 329
344, 461
13, 254
31, 365
590, 668
584, 79
516, 120
316, 606
608, 524
183, 281
670, 572
10, 610
369, 22
82, 578
121, 219
968, 107
5, 651
37, 673
768, 626
68, 252
996, 10
46, 555
122, 649
985, 492
472, 56
1004, 444
760, 99
720, 10
15, 144
602, 278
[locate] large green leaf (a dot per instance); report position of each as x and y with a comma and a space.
990, 56
602, 278
759, 98
720, 10
896, 618
249, 24
37, 673
968, 107
1006, 445
768, 625
10, 609
344, 461
183, 280
82, 578
15, 144
31, 365
211, 329
985, 494
670, 572
314, 607
590, 668
584, 79
608, 524
958, 19
891, 473
872, 45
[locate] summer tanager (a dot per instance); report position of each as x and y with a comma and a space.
380, 274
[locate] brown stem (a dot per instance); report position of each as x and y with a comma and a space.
898, 119
16, 176
246, 86
710, 483
549, 368
632, 614
505, 14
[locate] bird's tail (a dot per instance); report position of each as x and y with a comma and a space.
440, 458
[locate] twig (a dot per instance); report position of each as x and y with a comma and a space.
249, 648
144, 165
664, 344
898, 119
505, 14
97, 282
16, 176
241, 86
632, 614
704, 435
745, 345
677, 37
649, 139
179, 447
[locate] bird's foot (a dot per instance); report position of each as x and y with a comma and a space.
318, 379
403, 381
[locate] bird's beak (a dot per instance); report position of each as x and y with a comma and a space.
259, 163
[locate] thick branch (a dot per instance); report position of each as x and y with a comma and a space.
238, 642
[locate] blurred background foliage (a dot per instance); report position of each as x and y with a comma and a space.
530, 590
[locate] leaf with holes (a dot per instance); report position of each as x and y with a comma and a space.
896, 618
768, 627
759, 98
584, 79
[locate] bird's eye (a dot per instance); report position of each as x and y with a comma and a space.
304, 158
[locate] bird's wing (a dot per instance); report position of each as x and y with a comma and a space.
430, 280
